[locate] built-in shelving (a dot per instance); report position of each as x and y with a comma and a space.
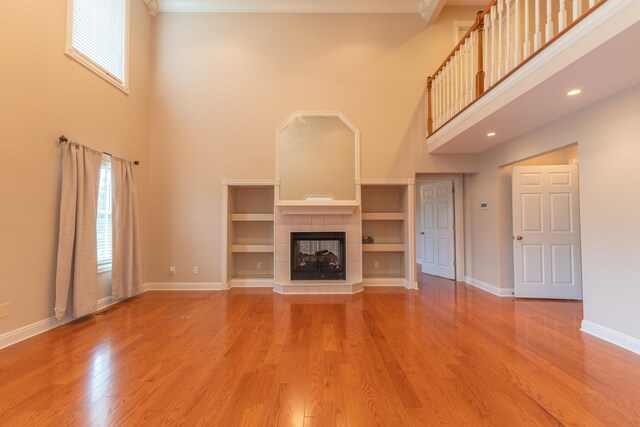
383, 247
251, 248
248, 230
255, 217
387, 217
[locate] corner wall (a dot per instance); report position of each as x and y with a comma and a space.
45, 94
607, 135
225, 82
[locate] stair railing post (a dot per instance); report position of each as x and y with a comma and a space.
480, 73
429, 106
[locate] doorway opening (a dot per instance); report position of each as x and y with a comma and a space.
439, 225
546, 226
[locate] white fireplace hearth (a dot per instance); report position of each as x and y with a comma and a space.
350, 224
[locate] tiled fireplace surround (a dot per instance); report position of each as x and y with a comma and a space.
286, 223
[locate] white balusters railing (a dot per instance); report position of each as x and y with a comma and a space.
506, 33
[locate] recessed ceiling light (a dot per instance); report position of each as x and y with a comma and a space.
491, 134
574, 92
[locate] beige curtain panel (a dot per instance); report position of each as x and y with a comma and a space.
126, 270
76, 270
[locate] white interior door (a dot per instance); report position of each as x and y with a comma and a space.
546, 230
437, 229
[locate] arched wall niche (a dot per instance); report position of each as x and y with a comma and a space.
318, 163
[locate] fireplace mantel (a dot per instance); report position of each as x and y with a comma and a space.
316, 207
257, 227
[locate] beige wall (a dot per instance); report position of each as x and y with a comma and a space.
489, 232
44, 94
225, 82
607, 136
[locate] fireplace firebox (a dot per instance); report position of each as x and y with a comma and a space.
318, 256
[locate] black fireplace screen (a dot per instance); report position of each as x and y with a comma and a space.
318, 256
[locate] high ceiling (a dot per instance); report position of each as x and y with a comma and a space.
429, 9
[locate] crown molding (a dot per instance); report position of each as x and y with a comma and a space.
430, 10
290, 6
152, 7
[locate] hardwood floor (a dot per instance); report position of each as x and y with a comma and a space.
446, 354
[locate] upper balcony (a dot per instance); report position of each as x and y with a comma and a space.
512, 70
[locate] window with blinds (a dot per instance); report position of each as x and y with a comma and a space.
97, 37
103, 220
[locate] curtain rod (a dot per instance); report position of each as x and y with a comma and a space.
64, 139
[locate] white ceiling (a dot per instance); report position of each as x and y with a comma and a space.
311, 6
307, 6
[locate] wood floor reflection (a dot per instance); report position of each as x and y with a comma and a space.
445, 354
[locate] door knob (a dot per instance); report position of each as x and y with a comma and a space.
518, 237
422, 232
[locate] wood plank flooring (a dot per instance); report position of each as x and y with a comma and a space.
447, 354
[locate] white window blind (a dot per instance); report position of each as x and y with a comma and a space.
99, 35
103, 220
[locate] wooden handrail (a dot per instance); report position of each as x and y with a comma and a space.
480, 15
451, 100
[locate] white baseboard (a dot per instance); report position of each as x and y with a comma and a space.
385, 281
500, 292
182, 286
321, 288
107, 302
20, 334
609, 335
250, 283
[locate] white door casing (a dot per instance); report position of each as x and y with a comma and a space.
546, 230
437, 229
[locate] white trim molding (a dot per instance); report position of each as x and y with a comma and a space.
430, 10
152, 7
386, 282
611, 336
28, 331
108, 302
321, 288
287, 6
182, 286
250, 283
492, 289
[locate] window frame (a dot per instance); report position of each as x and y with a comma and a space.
104, 266
88, 62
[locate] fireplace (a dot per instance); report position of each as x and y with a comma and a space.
318, 256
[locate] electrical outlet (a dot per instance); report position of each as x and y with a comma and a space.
259, 266
172, 270
376, 265
195, 270
4, 310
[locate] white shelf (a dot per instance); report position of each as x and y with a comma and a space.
317, 207
387, 216
251, 217
383, 247
390, 276
393, 216
251, 248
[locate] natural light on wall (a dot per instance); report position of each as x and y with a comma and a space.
97, 37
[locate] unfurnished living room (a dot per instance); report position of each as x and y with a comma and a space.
319, 213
